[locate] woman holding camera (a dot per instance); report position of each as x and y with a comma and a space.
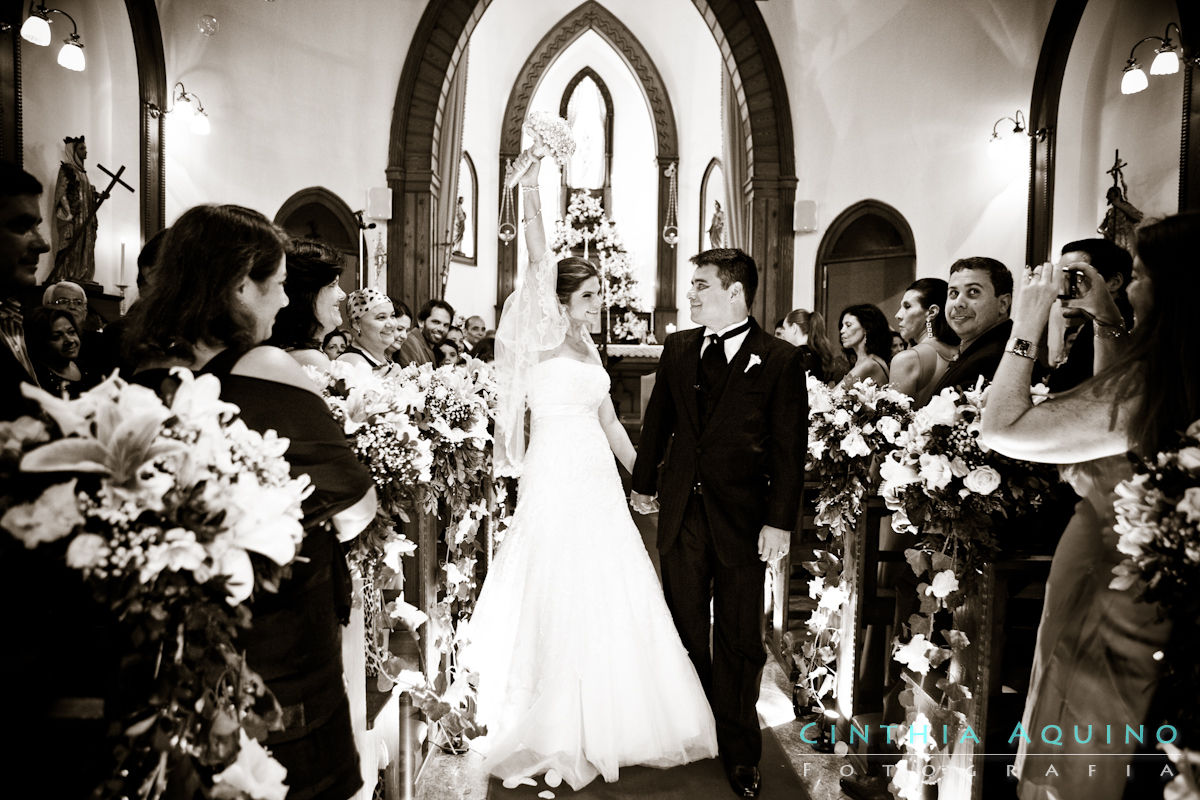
1096, 663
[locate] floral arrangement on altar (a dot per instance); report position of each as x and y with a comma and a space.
587, 226
173, 516
1158, 522
423, 433
849, 428
949, 491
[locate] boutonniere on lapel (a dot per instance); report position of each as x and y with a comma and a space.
754, 359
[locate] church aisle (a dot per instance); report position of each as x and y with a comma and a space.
451, 777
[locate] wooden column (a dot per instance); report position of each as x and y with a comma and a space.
11, 17
771, 203
152, 89
410, 237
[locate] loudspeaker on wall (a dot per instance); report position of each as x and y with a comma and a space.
805, 216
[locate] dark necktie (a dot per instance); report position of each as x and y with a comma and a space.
713, 362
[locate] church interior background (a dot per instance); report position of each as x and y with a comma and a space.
846, 143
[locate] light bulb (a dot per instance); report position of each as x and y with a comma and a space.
200, 125
1166, 62
71, 56
36, 30
1134, 80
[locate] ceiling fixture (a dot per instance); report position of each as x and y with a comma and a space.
1166, 61
36, 30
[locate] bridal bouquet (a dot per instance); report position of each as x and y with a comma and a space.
173, 516
1158, 522
849, 429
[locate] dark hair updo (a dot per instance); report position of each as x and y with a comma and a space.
573, 272
932, 292
311, 266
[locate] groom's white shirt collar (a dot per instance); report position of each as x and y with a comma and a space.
732, 344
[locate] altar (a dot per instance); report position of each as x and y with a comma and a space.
631, 368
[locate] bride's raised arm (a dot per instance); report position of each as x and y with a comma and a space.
531, 204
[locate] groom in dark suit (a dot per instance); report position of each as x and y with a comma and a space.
722, 447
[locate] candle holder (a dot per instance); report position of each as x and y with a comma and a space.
123, 308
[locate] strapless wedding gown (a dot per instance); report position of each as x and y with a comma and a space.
581, 668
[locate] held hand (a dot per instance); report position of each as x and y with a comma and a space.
1096, 302
525, 170
1033, 295
773, 543
643, 503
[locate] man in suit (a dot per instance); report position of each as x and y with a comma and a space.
21, 243
475, 330
727, 422
433, 322
978, 298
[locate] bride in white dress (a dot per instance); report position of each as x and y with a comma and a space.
581, 669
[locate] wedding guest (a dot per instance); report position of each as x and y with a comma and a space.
899, 344
70, 297
779, 330
21, 244
404, 320
864, 331
922, 321
372, 329
806, 330
219, 286
1098, 648
53, 341
1115, 265
475, 330
434, 321
335, 343
978, 298
456, 336
446, 353
314, 302
485, 349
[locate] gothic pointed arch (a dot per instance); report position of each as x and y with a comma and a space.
591, 16
609, 125
751, 59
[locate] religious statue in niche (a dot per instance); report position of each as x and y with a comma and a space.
460, 227
75, 205
1121, 217
716, 229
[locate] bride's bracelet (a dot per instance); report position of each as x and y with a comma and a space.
525, 188
528, 220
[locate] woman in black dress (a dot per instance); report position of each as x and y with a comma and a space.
54, 347
221, 274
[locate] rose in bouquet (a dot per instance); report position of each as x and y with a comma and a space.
173, 516
1158, 524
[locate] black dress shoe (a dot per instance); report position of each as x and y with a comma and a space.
745, 780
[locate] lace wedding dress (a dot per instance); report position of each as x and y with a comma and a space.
581, 669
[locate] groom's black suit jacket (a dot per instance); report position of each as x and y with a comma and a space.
747, 457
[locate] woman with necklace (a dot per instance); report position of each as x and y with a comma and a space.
921, 319
53, 342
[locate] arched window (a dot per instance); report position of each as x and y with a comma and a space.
713, 222
466, 231
587, 106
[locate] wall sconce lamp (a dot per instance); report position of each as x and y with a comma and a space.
1166, 61
183, 99
1018, 122
36, 30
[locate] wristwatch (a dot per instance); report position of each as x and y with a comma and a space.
1021, 347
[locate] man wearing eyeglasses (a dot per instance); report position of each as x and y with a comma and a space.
69, 296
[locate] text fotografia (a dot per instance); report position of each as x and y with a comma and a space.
1052, 735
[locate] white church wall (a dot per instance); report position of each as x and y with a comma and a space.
1095, 119
895, 101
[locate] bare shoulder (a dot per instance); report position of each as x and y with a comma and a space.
310, 358
906, 362
354, 359
273, 364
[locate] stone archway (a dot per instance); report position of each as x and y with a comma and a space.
749, 54
595, 17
